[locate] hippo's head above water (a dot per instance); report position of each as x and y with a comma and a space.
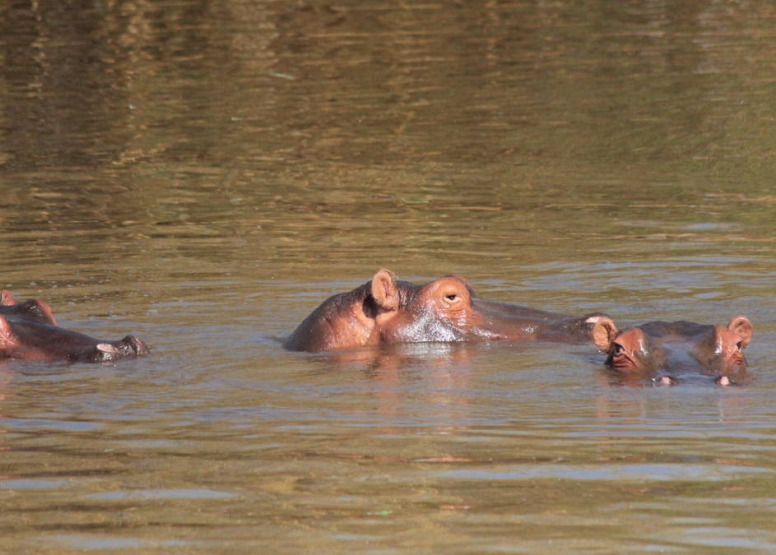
29, 331
669, 349
388, 311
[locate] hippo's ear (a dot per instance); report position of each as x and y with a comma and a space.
6, 298
40, 310
46, 311
385, 291
604, 332
743, 328
8, 339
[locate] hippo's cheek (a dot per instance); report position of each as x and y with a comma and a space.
422, 328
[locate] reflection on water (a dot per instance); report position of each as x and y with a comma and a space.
204, 174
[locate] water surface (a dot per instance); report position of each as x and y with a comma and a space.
204, 174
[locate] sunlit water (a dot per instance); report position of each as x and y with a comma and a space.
204, 175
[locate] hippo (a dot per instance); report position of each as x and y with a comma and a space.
33, 309
664, 351
386, 311
29, 331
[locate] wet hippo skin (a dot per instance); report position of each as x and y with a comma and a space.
29, 331
388, 311
665, 351
33, 309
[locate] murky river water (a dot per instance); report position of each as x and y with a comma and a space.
203, 174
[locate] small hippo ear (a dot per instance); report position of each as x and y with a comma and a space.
8, 339
743, 328
6, 298
604, 332
385, 290
107, 348
43, 310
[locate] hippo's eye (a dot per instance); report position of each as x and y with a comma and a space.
452, 297
740, 345
618, 350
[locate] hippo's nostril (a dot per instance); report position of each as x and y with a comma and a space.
135, 346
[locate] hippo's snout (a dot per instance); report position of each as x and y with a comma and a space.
134, 346
128, 347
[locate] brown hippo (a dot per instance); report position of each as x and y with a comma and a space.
387, 311
29, 331
32, 309
662, 351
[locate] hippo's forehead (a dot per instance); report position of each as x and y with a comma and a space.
673, 332
706, 340
408, 292
418, 298
635, 339
723, 341
449, 282
688, 352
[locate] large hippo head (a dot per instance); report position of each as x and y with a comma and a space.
675, 348
388, 311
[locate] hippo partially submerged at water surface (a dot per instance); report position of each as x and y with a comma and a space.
29, 331
388, 311
665, 352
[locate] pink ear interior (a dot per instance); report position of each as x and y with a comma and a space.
385, 291
743, 328
8, 339
6, 298
604, 332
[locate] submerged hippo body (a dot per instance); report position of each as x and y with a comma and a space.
28, 331
388, 311
664, 351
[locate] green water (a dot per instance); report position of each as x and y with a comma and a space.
204, 174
